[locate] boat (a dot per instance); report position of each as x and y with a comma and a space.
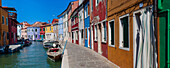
54, 54
14, 48
49, 44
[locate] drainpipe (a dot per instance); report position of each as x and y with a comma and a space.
155, 48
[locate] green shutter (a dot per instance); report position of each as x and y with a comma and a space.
164, 39
125, 32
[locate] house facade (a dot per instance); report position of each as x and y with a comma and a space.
42, 31
19, 27
24, 30
4, 32
60, 28
72, 6
33, 33
55, 28
49, 34
75, 26
130, 31
87, 23
98, 27
163, 33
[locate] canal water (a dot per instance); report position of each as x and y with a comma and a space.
33, 56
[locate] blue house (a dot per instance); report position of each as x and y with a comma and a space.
87, 24
60, 27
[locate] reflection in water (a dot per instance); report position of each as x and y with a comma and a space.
33, 56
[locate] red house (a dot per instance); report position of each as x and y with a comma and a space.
75, 27
12, 27
98, 26
42, 31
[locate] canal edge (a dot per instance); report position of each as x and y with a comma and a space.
65, 63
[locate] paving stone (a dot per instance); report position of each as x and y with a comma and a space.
81, 57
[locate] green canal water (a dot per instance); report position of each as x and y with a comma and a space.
33, 56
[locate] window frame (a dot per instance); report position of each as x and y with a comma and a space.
120, 47
97, 3
109, 33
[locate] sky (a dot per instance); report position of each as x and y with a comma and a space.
32, 11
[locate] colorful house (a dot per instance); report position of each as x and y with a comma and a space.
163, 33
34, 31
71, 7
87, 23
98, 27
4, 35
130, 32
24, 30
49, 34
81, 22
12, 24
42, 31
55, 28
19, 27
60, 28
75, 26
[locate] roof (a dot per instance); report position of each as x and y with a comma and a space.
55, 21
78, 8
66, 9
38, 24
9, 8
27, 24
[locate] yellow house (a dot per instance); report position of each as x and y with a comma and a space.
49, 34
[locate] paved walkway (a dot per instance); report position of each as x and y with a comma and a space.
81, 57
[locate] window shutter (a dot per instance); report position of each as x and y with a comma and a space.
88, 9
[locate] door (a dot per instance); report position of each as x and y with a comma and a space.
99, 39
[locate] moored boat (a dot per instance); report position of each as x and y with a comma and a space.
54, 53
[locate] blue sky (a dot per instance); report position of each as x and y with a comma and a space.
37, 10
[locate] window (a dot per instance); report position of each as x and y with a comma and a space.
86, 33
77, 35
97, 2
12, 35
95, 32
40, 29
50, 28
7, 35
82, 33
86, 11
91, 5
104, 32
2, 19
124, 32
46, 29
43, 36
32, 30
6, 20
43, 29
73, 35
36, 36
111, 33
35, 30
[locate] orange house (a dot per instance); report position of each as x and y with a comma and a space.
4, 39
129, 32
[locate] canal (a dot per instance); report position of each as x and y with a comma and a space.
33, 56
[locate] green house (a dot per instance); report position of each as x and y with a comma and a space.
164, 28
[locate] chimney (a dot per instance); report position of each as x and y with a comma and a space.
49, 21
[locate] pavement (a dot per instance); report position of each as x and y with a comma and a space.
76, 56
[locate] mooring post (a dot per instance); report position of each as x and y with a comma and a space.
64, 47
